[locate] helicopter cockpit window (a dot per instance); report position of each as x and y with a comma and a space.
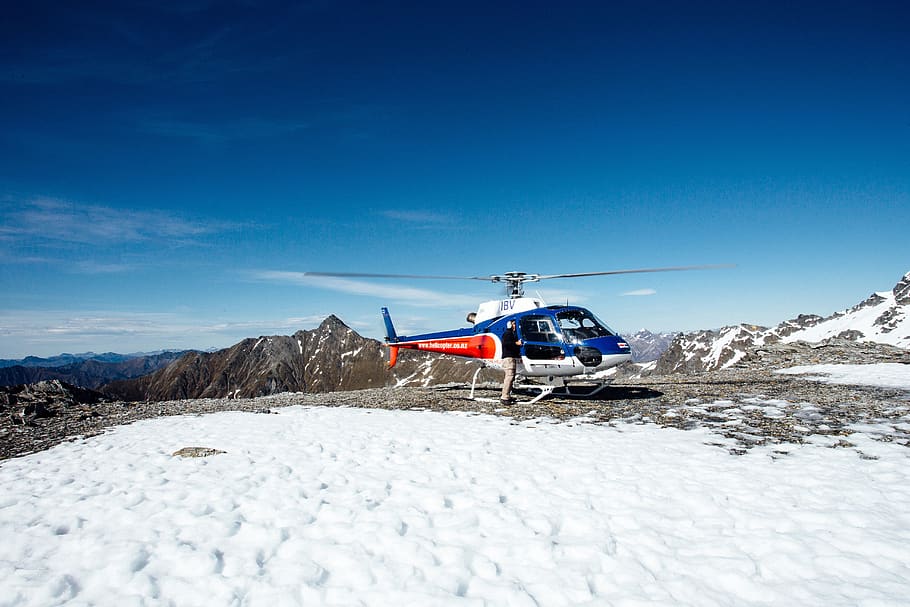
538, 328
581, 324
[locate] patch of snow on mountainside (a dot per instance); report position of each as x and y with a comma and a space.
728, 348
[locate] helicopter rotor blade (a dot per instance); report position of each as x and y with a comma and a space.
514, 280
637, 271
409, 276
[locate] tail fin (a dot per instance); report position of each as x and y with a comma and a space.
390, 337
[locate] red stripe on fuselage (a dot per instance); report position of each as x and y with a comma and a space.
476, 346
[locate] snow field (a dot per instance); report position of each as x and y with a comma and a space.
885, 375
338, 506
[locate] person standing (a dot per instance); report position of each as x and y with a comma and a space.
511, 352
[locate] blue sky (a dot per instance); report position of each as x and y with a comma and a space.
168, 170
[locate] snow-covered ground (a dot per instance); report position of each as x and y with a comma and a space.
340, 506
886, 375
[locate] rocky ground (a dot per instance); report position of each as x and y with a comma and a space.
749, 404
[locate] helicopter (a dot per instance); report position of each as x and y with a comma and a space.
563, 346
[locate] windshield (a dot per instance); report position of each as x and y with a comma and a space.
580, 324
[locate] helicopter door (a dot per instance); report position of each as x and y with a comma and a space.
540, 339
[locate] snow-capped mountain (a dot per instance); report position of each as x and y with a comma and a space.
647, 346
710, 350
883, 318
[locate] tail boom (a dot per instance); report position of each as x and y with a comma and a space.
474, 346
462, 342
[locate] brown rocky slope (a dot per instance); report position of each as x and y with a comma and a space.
332, 357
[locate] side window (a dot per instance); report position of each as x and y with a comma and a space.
538, 328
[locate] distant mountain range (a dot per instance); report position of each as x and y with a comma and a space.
883, 318
85, 370
647, 346
63, 360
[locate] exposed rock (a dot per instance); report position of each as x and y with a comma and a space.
850, 335
831, 351
197, 452
803, 321
901, 291
26, 403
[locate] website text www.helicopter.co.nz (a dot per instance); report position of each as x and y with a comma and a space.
443, 345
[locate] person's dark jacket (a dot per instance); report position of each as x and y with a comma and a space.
510, 349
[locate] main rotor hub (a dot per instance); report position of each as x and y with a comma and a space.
514, 280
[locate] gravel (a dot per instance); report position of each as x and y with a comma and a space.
752, 406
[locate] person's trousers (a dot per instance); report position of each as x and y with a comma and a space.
508, 365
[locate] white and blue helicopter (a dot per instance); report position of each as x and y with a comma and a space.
563, 346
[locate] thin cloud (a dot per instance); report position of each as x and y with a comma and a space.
58, 324
53, 220
396, 293
268, 326
639, 293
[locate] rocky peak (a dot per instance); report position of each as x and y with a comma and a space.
870, 302
331, 324
901, 291
803, 321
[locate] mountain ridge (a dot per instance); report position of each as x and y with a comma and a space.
883, 317
66, 359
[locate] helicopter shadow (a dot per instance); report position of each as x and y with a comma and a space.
608, 393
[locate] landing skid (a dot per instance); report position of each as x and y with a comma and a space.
588, 389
